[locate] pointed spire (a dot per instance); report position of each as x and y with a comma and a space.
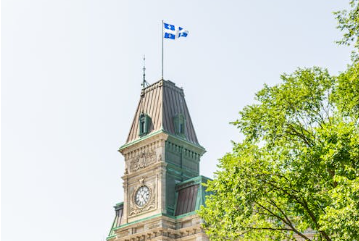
162, 102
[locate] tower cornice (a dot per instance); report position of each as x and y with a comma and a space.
143, 141
161, 135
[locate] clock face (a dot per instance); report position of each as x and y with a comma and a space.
142, 196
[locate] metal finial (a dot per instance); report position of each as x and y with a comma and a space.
144, 82
144, 70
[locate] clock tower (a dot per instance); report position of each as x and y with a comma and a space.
162, 185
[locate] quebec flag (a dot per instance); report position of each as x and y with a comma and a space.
173, 32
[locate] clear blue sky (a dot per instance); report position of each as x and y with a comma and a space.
71, 74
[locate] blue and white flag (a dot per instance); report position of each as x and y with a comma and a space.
173, 32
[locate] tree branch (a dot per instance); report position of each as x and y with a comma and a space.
284, 220
304, 204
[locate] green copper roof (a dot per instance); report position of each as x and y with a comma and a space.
190, 195
163, 101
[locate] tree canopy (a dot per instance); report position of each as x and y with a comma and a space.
348, 22
296, 173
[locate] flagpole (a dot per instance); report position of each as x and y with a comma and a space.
162, 49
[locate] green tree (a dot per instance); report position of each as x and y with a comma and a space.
348, 22
297, 169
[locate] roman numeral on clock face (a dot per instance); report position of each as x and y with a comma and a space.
142, 196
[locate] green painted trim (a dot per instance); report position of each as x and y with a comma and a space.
137, 221
112, 236
185, 215
141, 139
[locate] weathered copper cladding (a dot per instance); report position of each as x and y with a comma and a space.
162, 101
119, 214
186, 201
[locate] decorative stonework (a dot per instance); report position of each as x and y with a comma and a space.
162, 228
143, 160
150, 205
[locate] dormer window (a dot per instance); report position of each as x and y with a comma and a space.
144, 124
179, 124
